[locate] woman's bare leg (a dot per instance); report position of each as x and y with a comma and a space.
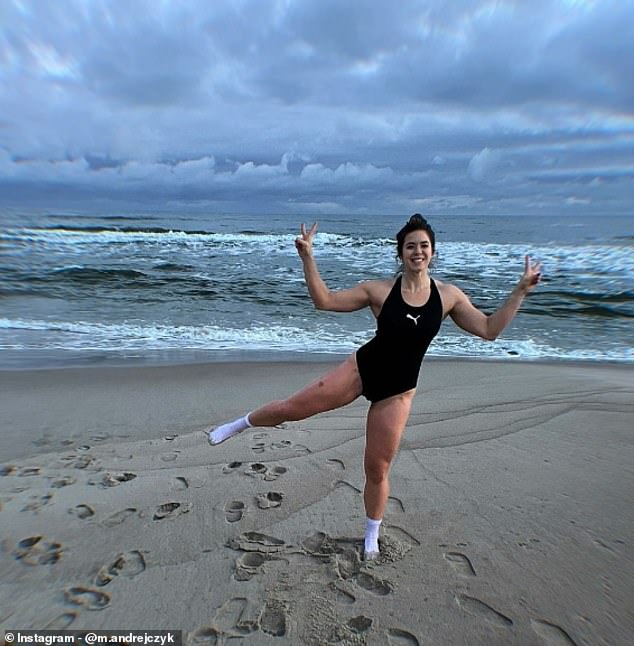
337, 388
385, 425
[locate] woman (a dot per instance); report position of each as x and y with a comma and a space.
409, 311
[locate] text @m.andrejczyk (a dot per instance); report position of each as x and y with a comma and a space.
94, 637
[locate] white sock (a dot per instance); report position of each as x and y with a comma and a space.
372, 535
225, 431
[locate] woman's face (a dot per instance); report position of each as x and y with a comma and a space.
417, 251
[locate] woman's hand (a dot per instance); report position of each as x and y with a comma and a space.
304, 242
532, 275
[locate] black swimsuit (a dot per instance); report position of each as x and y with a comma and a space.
390, 362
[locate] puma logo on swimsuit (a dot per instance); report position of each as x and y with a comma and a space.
414, 318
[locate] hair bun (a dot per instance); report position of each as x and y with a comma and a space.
417, 218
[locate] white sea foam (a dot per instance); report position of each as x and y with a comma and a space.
487, 259
85, 335
90, 336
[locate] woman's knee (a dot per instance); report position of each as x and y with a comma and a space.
291, 410
376, 470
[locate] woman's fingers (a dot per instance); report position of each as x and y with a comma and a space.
307, 235
532, 272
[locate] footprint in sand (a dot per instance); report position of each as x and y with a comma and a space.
171, 510
129, 564
82, 511
398, 637
257, 469
460, 563
207, 636
119, 517
552, 634
236, 617
61, 621
170, 438
394, 544
38, 502
259, 447
248, 565
63, 482
370, 583
231, 467
347, 564
234, 511
179, 483
298, 449
482, 610
87, 598
342, 596
256, 542
269, 499
320, 544
33, 550
359, 624
170, 457
84, 461
7, 470
274, 473
262, 447
27, 472
114, 479
273, 618
398, 533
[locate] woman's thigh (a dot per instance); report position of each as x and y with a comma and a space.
336, 388
385, 425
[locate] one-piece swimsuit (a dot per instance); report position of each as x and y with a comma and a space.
390, 362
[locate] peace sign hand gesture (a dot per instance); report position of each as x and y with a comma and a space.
304, 242
532, 275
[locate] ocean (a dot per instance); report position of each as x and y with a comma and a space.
123, 288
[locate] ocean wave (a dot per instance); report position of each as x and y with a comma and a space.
83, 335
93, 275
15, 334
452, 257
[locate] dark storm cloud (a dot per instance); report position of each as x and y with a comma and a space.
317, 104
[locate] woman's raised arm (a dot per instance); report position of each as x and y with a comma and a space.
347, 300
472, 320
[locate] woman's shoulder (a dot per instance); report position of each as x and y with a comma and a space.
450, 293
442, 285
380, 286
378, 291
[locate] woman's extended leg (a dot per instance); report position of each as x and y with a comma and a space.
337, 388
385, 426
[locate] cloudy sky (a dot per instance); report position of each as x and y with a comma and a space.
318, 106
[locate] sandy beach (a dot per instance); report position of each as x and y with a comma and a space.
509, 522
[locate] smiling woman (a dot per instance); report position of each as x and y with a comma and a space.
409, 312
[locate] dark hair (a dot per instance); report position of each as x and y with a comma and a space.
416, 223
